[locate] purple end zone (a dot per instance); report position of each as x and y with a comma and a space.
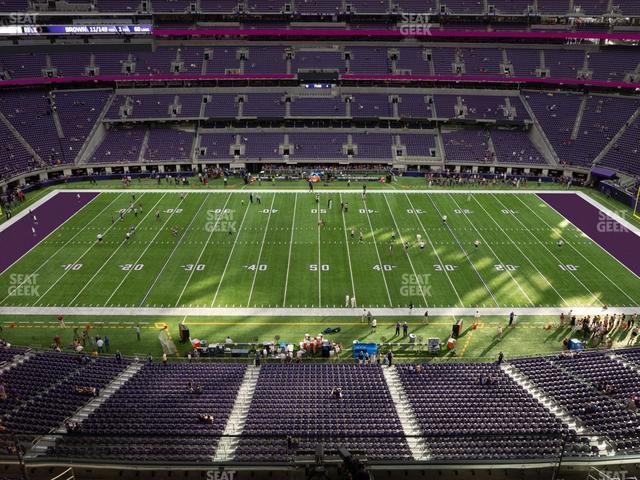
615, 238
18, 239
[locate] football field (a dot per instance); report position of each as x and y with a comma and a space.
296, 249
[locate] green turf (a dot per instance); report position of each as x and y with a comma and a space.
276, 255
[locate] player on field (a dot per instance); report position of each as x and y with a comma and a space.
406, 247
346, 207
346, 301
127, 236
33, 231
353, 301
157, 214
353, 232
321, 223
560, 243
422, 244
418, 238
182, 197
361, 240
444, 219
391, 248
174, 231
317, 198
135, 211
99, 238
258, 199
476, 243
393, 235
121, 215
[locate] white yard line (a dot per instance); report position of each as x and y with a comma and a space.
50, 257
293, 227
355, 313
106, 262
233, 247
484, 241
264, 236
175, 248
346, 242
464, 252
213, 229
552, 254
375, 244
173, 211
415, 275
319, 258
435, 251
76, 261
524, 255
633, 302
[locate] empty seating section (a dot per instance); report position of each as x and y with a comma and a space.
462, 418
419, 145
372, 105
317, 60
265, 60
607, 64
317, 107
464, 6
467, 146
262, 146
154, 416
516, 7
603, 414
556, 114
31, 379
218, 6
269, 105
463, 411
364, 420
373, 145
515, 146
418, 6
623, 154
318, 146
331, 7
168, 145
14, 157
51, 407
31, 115
78, 112
216, 145
120, 145
222, 105
553, 7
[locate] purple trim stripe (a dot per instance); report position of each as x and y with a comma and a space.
332, 32
18, 239
619, 241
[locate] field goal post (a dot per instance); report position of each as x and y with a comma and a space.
636, 207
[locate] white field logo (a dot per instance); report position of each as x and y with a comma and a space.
220, 220
415, 25
606, 224
414, 285
21, 285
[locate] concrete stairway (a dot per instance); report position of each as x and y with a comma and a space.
40, 447
235, 425
412, 431
602, 443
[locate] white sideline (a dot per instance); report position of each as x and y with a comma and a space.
311, 312
397, 191
25, 212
